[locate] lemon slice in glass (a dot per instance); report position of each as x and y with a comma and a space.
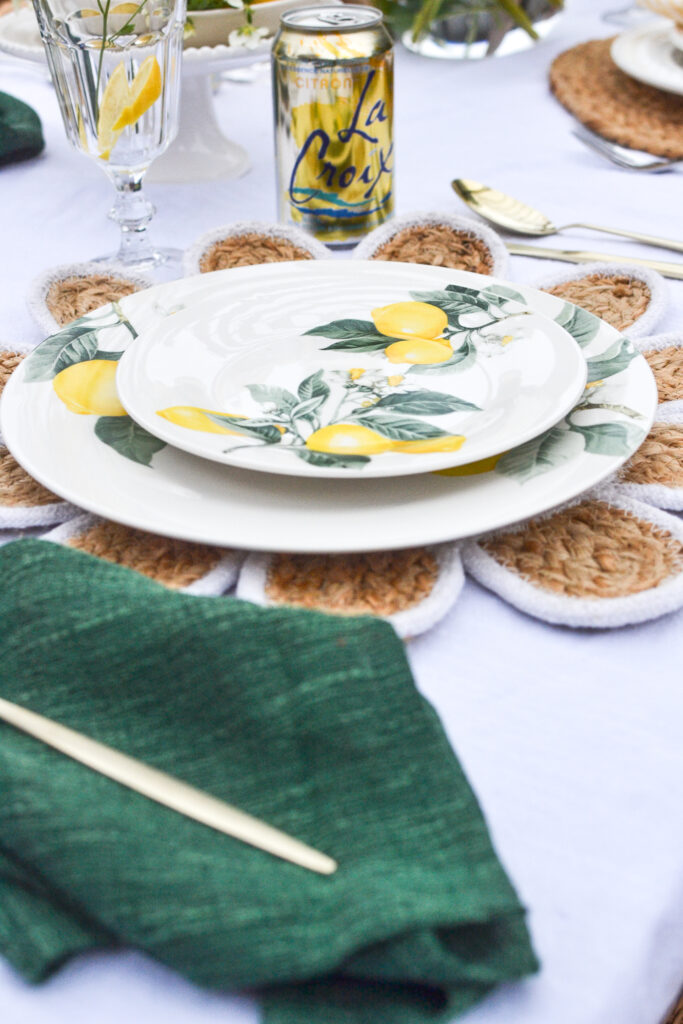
115, 98
144, 91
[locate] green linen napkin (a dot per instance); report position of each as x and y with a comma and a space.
308, 721
21, 134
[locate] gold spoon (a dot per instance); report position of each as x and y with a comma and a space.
521, 219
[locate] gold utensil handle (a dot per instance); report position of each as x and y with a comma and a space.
636, 236
165, 789
673, 270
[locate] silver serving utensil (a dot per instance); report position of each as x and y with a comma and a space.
673, 270
623, 156
165, 789
521, 219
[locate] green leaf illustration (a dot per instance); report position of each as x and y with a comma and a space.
279, 397
540, 455
357, 335
330, 460
610, 438
582, 326
425, 403
615, 359
266, 432
313, 387
455, 303
127, 438
305, 410
461, 359
399, 428
105, 354
501, 291
74, 344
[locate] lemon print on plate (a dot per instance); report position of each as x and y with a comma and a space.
410, 320
418, 351
193, 418
89, 388
123, 104
348, 439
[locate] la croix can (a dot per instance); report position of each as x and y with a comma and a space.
333, 96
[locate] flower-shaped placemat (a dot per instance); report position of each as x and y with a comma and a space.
608, 559
630, 299
247, 243
588, 83
178, 564
413, 589
62, 294
438, 240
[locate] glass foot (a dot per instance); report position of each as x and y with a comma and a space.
160, 264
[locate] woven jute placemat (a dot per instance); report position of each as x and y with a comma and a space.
380, 583
248, 250
175, 563
71, 297
588, 83
17, 488
618, 299
590, 550
437, 246
667, 366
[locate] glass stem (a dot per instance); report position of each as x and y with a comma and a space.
133, 212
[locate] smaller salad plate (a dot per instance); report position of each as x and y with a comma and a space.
324, 370
649, 54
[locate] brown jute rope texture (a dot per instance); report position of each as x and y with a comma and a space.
74, 296
616, 298
175, 563
590, 550
437, 245
380, 583
588, 83
659, 460
246, 250
17, 488
8, 364
667, 367
676, 1015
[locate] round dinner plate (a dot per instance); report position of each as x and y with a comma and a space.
61, 420
648, 54
305, 369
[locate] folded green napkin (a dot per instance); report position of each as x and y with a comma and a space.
308, 721
21, 134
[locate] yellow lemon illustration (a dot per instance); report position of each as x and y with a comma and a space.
193, 418
449, 443
144, 91
410, 319
418, 350
347, 439
90, 388
472, 468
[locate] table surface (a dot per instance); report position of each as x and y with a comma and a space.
572, 739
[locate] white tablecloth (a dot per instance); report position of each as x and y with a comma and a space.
572, 740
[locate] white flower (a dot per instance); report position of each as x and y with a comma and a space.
248, 36
237, 4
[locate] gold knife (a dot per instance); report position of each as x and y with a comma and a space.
674, 270
165, 789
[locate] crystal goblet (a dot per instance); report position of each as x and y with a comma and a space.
116, 72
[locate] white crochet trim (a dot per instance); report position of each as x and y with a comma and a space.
657, 494
579, 612
659, 292
40, 286
216, 582
16, 517
296, 236
655, 343
488, 236
251, 586
23, 347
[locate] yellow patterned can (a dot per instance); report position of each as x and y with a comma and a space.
333, 98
